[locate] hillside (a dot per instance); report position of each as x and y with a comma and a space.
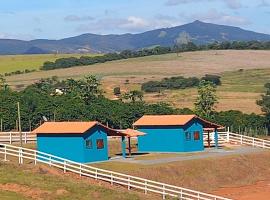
41, 182
199, 32
237, 85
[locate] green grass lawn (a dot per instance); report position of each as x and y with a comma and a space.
13, 63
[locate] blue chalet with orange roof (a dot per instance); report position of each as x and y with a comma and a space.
173, 133
82, 142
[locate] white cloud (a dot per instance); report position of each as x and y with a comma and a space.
214, 16
264, 3
232, 4
132, 24
16, 36
74, 18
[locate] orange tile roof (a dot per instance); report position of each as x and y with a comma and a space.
65, 127
73, 128
132, 133
172, 120
168, 120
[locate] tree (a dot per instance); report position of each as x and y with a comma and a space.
265, 101
3, 84
206, 99
117, 91
133, 96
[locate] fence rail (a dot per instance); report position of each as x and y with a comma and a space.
130, 182
10, 137
245, 140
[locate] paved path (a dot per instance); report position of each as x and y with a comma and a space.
208, 153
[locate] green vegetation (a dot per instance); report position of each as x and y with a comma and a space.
265, 101
206, 99
87, 60
83, 100
21, 63
178, 82
183, 45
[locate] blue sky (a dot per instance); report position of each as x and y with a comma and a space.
54, 19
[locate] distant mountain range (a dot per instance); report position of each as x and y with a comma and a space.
199, 32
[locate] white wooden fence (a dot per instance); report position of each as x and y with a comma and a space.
11, 137
244, 140
130, 182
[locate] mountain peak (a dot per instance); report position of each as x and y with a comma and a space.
197, 22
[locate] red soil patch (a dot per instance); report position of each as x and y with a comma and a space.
260, 191
33, 193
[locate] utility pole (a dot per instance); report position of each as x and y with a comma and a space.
19, 120
1, 125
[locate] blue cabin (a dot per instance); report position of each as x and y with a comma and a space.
82, 142
172, 133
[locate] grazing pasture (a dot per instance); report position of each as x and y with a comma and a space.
243, 76
12, 63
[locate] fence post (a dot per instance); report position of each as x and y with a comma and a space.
253, 142
111, 179
10, 138
263, 144
241, 139
164, 194
35, 158
96, 174
228, 135
21, 156
80, 169
145, 187
128, 183
65, 167
5, 158
50, 161
25, 138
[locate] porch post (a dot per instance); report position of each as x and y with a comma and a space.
208, 139
123, 146
216, 138
129, 146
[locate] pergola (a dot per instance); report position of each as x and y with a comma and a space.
129, 133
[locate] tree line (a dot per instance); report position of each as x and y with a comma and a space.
178, 82
82, 100
158, 50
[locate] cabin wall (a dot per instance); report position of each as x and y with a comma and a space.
68, 146
73, 146
160, 139
171, 138
94, 154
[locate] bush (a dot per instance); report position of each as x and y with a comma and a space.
212, 78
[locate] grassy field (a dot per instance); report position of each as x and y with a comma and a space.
240, 89
13, 63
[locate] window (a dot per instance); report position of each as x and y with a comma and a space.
88, 144
188, 135
196, 135
100, 144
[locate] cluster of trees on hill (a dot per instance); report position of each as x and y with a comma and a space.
26, 71
178, 82
83, 100
177, 48
90, 60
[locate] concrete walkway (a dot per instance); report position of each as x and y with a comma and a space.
208, 153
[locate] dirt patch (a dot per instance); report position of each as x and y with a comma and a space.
33, 193
259, 190
61, 192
